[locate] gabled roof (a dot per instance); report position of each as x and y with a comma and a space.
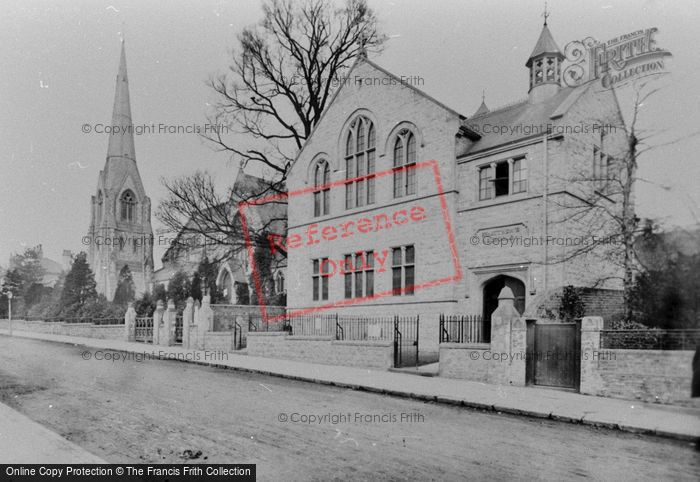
520, 120
545, 45
360, 60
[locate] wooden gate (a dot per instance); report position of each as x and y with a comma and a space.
554, 355
405, 341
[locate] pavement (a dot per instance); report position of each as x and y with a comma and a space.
24, 441
680, 423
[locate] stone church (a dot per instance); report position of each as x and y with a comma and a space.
120, 233
407, 207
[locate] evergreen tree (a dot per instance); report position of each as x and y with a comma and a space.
160, 293
80, 286
179, 288
125, 291
196, 286
207, 272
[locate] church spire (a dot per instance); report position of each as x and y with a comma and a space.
121, 144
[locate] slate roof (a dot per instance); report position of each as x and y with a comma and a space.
519, 120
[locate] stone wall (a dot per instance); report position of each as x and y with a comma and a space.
218, 341
662, 376
325, 350
87, 330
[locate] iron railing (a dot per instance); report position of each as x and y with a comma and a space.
178, 328
144, 329
650, 339
463, 329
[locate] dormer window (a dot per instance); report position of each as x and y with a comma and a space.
127, 201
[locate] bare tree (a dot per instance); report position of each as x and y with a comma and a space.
282, 76
604, 204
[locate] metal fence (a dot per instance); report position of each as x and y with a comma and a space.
463, 329
651, 339
144, 329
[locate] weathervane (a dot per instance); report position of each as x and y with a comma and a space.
545, 14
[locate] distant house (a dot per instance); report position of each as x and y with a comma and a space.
228, 251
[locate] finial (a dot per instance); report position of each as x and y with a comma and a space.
121, 34
483, 96
545, 14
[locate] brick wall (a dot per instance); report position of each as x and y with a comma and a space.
87, 330
662, 376
323, 350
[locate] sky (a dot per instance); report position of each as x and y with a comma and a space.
59, 63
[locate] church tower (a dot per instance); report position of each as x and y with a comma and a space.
545, 67
120, 224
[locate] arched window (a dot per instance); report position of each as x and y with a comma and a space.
128, 201
404, 164
279, 283
99, 206
322, 176
360, 151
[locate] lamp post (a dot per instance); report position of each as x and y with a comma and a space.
9, 309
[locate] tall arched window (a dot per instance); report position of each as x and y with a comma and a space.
128, 201
100, 201
279, 283
404, 164
322, 175
360, 149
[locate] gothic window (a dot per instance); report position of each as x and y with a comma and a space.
323, 191
99, 206
404, 164
279, 283
128, 202
550, 69
360, 151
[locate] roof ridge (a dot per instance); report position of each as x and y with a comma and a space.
502, 107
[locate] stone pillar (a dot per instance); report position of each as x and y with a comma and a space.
502, 321
590, 347
157, 321
167, 334
518, 340
187, 322
205, 321
130, 323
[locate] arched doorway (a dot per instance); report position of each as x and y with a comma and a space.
226, 286
491, 291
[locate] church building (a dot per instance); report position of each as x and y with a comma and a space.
120, 233
400, 205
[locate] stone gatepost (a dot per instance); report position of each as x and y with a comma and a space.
187, 322
205, 321
590, 347
157, 321
130, 323
167, 334
507, 339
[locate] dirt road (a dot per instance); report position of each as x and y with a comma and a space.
167, 411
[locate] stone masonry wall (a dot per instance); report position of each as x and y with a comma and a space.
87, 330
662, 376
323, 350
